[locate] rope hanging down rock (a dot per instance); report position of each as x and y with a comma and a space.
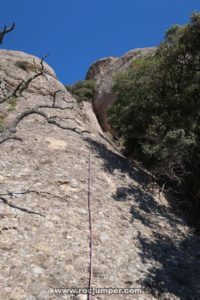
90, 229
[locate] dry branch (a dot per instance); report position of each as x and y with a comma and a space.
51, 120
24, 84
5, 31
29, 191
17, 92
5, 201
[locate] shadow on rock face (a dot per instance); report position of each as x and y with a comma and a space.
173, 255
179, 270
174, 260
114, 161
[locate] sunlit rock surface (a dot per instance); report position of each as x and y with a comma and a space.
139, 239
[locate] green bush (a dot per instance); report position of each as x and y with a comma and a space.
82, 90
157, 112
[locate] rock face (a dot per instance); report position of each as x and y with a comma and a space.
140, 241
103, 72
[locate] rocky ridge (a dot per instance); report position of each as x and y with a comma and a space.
139, 239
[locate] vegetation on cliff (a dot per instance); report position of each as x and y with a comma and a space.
157, 112
82, 90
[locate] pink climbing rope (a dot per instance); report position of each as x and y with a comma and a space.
90, 229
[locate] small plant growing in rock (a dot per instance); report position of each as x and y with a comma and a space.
82, 90
25, 65
2, 122
12, 102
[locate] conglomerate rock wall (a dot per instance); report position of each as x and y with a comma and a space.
140, 241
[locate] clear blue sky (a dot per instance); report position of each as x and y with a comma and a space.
78, 32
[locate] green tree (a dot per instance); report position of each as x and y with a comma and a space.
157, 112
